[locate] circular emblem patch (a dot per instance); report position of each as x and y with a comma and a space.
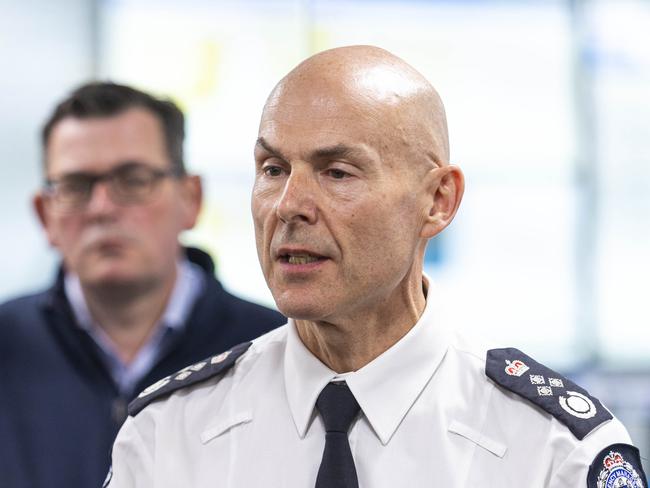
618, 473
578, 405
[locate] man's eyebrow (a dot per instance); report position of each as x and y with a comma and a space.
261, 142
334, 152
328, 152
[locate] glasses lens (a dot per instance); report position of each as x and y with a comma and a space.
134, 183
129, 183
72, 191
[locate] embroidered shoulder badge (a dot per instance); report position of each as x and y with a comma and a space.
190, 375
562, 398
617, 466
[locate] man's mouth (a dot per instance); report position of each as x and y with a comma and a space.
300, 258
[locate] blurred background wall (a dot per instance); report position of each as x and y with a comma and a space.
549, 115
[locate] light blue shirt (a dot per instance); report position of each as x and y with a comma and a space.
189, 285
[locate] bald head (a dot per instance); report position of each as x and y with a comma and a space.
371, 83
352, 179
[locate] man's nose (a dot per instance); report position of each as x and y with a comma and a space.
297, 202
100, 200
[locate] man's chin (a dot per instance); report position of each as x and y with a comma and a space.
112, 280
301, 309
108, 277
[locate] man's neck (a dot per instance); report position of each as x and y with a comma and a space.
349, 343
128, 315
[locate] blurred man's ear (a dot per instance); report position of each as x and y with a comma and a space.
192, 195
445, 186
40, 209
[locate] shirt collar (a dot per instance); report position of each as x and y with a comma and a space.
74, 293
385, 388
189, 285
305, 376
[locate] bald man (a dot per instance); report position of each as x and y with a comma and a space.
365, 386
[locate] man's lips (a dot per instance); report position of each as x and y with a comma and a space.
107, 244
298, 256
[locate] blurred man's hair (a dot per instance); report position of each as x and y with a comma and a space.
105, 99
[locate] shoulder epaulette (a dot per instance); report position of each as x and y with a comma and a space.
190, 375
562, 398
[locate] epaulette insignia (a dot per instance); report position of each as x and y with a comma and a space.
562, 398
190, 375
617, 465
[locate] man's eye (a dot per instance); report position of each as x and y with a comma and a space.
337, 174
272, 171
73, 186
134, 180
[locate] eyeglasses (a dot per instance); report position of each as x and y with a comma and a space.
128, 184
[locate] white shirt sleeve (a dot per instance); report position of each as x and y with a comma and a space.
573, 471
132, 459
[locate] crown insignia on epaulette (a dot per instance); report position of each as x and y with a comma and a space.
516, 367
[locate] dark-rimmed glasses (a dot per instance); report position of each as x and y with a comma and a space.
129, 183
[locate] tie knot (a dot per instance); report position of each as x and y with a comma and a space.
337, 407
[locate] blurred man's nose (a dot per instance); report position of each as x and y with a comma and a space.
100, 200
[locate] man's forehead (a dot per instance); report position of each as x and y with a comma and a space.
324, 110
106, 141
124, 122
318, 133
385, 84
363, 93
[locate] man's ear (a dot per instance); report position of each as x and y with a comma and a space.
192, 194
446, 187
40, 209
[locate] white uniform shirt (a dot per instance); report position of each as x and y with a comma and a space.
430, 417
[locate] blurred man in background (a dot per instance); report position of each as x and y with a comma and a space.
129, 306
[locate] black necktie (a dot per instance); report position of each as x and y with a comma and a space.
338, 408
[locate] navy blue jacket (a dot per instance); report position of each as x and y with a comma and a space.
59, 407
